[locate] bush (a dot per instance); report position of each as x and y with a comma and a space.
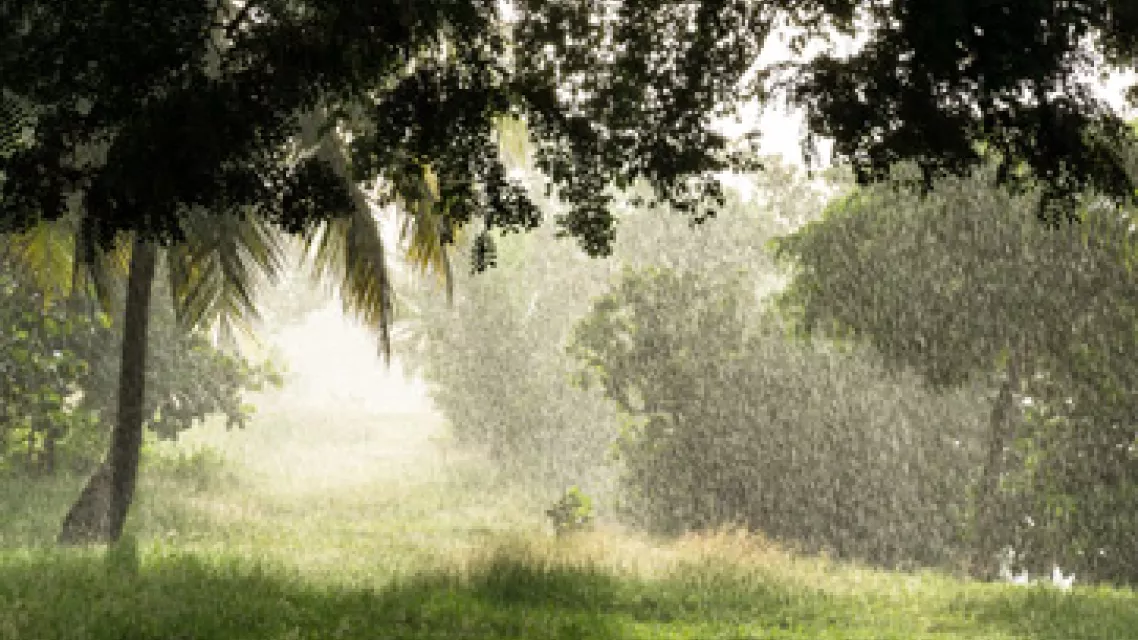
59, 376
45, 356
572, 513
728, 421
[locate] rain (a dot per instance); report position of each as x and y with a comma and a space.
828, 410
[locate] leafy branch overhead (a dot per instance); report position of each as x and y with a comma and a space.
147, 110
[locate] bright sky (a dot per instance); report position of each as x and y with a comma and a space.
334, 361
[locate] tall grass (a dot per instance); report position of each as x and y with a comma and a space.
309, 527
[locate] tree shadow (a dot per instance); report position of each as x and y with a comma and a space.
83, 593
89, 593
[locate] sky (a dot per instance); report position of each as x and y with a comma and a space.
334, 360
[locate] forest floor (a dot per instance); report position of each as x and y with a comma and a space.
362, 526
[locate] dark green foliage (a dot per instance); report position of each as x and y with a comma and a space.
728, 422
45, 348
147, 111
937, 78
225, 86
1069, 499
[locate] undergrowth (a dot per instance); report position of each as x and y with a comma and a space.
219, 548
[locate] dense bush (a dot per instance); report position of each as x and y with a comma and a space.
1069, 498
963, 283
729, 421
59, 385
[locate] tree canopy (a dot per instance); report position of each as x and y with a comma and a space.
946, 83
139, 111
147, 109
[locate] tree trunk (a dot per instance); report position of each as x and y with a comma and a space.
86, 521
126, 438
1002, 424
101, 510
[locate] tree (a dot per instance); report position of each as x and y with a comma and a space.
227, 85
610, 91
963, 284
61, 355
212, 279
952, 85
506, 329
230, 87
491, 357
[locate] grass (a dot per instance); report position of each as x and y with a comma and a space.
359, 528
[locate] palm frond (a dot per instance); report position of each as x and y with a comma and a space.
349, 250
349, 253
95, 269
45, 252
423, 231
214, 275
62, 259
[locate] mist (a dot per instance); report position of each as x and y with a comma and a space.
676, 434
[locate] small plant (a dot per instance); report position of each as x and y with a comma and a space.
571, 513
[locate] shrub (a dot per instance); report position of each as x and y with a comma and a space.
728, 421
571, 513
59, 376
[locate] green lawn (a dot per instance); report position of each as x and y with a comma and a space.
359, 528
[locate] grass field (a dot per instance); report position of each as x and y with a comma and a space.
363, 526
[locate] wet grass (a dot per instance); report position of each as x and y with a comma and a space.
385, 539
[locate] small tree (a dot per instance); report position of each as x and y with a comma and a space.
45, 355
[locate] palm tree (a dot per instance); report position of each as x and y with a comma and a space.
213, 276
